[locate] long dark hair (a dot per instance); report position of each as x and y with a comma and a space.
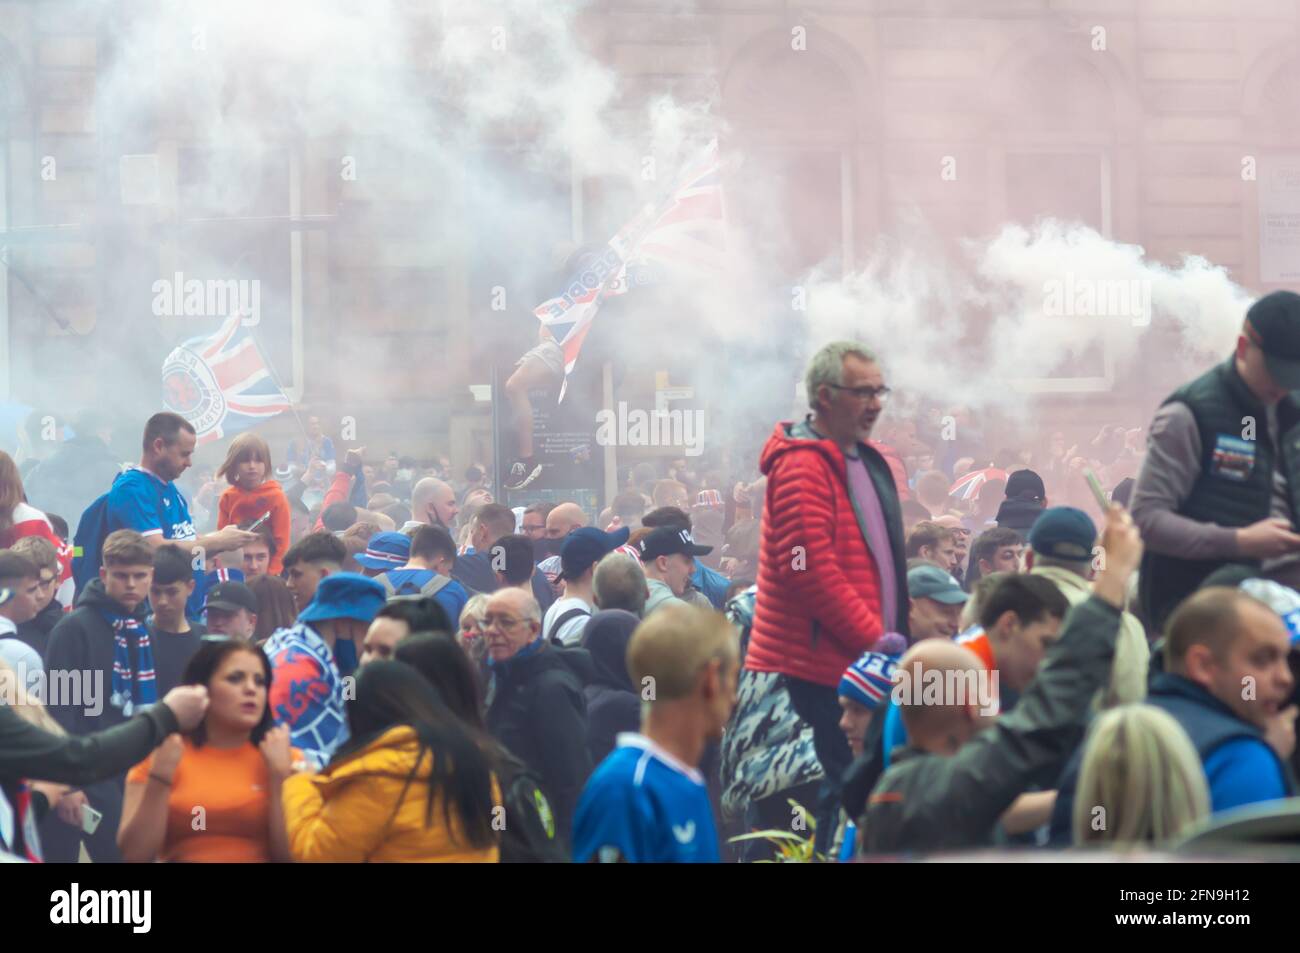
203, 665
447, 667
391, 693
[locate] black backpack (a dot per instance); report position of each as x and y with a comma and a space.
563, 619
529, 836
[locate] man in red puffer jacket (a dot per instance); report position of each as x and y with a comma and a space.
832, 578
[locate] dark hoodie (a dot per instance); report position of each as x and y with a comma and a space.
72, 477
82, 644
1019, 514
613, 705
538, 713
82, 641
36, 630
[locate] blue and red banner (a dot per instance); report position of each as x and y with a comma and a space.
221, 383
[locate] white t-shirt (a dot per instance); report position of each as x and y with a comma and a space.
571, 632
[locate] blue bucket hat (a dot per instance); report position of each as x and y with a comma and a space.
386, 551
344, 595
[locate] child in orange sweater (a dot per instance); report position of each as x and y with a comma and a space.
251, 495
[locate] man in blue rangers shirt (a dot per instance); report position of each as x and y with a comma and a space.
145, 499
647, 802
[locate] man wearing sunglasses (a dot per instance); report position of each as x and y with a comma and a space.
832, 579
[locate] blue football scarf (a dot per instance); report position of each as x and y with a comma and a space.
131, 688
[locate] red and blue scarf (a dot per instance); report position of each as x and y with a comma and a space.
131, 688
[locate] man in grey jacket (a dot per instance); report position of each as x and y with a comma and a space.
947, 790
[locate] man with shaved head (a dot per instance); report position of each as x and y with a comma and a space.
1227, 682
949, 787
538, 710
564, 519
433, 502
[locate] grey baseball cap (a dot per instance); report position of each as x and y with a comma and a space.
931, 582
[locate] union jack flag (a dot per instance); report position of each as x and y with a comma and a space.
221, 383
684, 232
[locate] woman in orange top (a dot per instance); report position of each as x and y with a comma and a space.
214, 796
251, 495
411, 783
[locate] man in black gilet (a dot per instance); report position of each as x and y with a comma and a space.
1221, 480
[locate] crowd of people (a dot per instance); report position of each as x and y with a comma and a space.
886, 641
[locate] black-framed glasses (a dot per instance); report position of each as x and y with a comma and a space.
866, 393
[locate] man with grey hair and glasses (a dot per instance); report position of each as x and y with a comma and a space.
832, 577
537, 709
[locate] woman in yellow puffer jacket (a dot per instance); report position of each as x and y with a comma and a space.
410, 785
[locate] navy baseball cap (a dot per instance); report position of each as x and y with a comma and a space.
344, 595
587, 545
386, 551
667, 540
931, 582
230, 597
1273, 323
1063, 532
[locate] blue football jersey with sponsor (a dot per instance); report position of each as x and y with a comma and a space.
142, 502
644, 806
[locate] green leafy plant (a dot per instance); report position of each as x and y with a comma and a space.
790, 846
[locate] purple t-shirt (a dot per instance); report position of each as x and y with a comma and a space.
872, 516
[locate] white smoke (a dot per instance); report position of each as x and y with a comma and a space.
417, 95
1030, 303
380, 103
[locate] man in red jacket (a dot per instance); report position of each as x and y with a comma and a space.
832, 578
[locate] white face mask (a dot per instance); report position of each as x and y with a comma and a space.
405, 476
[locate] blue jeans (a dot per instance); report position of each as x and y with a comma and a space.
819, 705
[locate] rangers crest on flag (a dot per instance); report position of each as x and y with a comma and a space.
221, 384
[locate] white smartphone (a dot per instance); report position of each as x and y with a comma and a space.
90, 819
